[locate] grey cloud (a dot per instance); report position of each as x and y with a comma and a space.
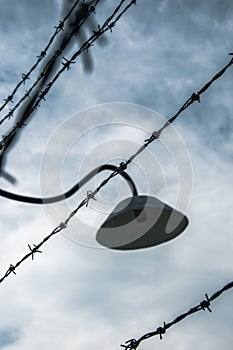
158, 54
26, 13
7, 75
8, 337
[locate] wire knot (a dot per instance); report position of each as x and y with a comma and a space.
9, 99
62, 225
60, 26
42, 54
195, 97
155, 135
92, 8
20, 125
12, 269
122, 167
205, 304
10, 114
27, 93
34, 250
90, 195
25, 77
132, 344
42, 94
161, 330
110, 26
67, 63
98, 32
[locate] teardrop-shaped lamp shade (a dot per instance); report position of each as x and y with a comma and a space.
140, 222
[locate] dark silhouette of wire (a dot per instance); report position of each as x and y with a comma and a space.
40, 57
51, 63
71, 191
121, 168
34, 103
35, 91
133, 343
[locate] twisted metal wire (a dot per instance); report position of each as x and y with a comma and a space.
46, 71
111, 21
57, 53
40, 57
133, 343
121, 168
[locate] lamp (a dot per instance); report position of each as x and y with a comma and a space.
136, 222
140, 222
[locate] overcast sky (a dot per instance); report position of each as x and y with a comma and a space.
76, 295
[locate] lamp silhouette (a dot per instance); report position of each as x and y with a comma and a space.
141, 222
136, 222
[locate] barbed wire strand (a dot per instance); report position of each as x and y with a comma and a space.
51, 61
133, 343
7, 140
40, 57
101, 30
71, 30
122, 167
44, 74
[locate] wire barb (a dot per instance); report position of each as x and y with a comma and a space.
110, 26
97, 32
10, 113
63, 225
25, 77
34, 250
161, 331
12, 269
132, 344
9, 99
92, 9
122, 167
20, 125
60, 26
67, 63
42, 54
195, 97
205, 304
90, 195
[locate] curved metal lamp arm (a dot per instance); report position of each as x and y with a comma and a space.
71, 191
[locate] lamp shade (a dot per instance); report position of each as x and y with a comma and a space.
140, 222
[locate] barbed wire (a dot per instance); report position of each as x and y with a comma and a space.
133, 343
46, 71
40, 57
57, 53
7, 140
121, 168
